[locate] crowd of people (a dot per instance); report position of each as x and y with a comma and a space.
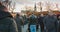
47, 23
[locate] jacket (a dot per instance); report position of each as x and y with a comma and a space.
50, 22
7, 23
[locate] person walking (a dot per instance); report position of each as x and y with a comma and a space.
32, 21
50, 23
19, 21
40, 21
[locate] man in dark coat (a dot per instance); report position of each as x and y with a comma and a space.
32, 20
50, 23
7, 24
40, 22
19, 21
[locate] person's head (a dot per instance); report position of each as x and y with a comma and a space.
50, 13
3, 8
58, 16
41, 15
17, 15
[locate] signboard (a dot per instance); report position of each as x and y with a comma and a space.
33, 28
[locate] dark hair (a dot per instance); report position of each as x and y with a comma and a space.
2, 7
17, 14
0, 3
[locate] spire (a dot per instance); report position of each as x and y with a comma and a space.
56, 5
41, 6
35, 7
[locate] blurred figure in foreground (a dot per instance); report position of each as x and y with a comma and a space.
50, 23
40, 21
7, 23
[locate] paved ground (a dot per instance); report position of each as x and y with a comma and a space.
24, 29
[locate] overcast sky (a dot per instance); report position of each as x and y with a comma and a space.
21, 3
32, 1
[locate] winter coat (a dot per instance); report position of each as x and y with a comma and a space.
33, 20
7, 24
40, 20
19, 23
50, 23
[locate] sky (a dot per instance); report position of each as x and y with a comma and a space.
22, 3
32, 1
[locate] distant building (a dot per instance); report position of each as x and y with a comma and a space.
35, 7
